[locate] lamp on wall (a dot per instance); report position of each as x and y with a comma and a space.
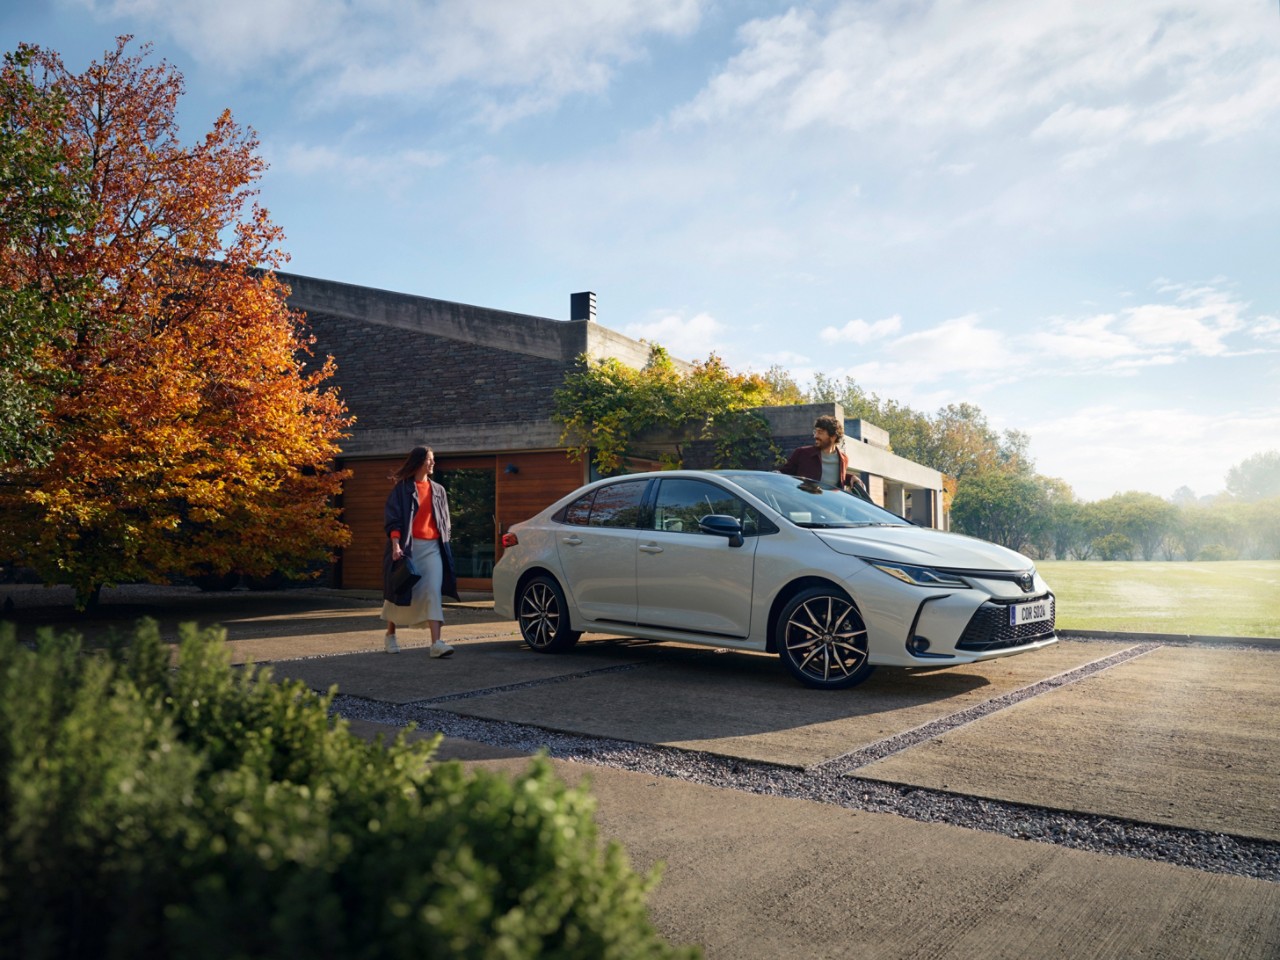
511, 468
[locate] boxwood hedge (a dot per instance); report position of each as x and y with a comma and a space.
203, 811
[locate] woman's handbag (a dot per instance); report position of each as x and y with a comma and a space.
403, 575
448, 574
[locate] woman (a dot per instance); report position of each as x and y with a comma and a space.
417, 526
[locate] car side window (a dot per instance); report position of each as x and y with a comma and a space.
682, 502
618, 504
579, 512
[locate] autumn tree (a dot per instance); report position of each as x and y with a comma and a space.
196, 432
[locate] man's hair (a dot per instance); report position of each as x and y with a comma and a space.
831, 425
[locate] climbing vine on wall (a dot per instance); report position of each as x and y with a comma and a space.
604, 405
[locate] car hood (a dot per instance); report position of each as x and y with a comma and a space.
919, 545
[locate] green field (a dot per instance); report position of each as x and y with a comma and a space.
1228, 599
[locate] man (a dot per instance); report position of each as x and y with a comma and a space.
825, 461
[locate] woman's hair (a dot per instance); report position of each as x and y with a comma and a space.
416, 458
831, 425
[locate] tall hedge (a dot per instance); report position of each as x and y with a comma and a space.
205, 812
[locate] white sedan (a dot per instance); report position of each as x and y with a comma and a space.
764, 561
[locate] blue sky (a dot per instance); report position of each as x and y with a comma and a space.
1064, 213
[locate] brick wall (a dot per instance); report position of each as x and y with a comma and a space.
393, 377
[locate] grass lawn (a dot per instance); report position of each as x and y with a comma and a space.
1239, 598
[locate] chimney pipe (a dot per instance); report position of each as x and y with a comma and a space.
582, 306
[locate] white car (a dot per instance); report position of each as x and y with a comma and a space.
764, 561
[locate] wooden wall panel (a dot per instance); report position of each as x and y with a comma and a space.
543, 479
363, 498
540, 480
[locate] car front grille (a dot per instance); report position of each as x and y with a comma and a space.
989, 629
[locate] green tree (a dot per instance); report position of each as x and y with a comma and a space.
1256, 478
1062, 521
1114, 546
1141, 518
41, 193
1195, 528
1005, 508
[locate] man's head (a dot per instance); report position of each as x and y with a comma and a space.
827, 432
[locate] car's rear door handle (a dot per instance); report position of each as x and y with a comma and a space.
650, 548
572, 541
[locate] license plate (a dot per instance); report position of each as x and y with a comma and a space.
1033, 612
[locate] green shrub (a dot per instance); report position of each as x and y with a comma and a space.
205, 812
1216, 551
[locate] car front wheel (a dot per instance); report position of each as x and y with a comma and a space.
822, 640
544, 616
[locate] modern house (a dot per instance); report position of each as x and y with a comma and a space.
477, 385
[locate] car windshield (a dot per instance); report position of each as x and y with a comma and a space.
808, 503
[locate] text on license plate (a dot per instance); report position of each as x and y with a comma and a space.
1032, 612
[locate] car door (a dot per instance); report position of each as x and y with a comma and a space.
597, 549
690, 580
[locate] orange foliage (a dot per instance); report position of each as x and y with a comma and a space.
199, 434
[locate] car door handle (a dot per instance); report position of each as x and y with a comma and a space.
650, 548
572, 541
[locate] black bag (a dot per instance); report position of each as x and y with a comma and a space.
449, 577
404, 575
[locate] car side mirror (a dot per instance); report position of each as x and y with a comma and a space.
722, 525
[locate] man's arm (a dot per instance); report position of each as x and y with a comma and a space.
792, 466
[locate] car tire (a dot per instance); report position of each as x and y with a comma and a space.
822, 640
543, 616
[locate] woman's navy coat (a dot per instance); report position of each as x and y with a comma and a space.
402, 504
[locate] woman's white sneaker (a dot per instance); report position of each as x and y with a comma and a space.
441, 649
392, 646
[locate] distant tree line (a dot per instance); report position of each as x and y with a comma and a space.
996, 494
990, 480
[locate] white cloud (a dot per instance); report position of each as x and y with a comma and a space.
1199, 322
859, 331
1198, 329
1086, 340
1268, 329
509, 58
1102, 450
1149, 70
1074, 123
378, 171
236, 35
687, 337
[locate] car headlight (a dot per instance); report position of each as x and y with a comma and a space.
918, 576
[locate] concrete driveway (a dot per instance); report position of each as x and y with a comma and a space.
1176, 735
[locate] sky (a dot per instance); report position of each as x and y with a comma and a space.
1067, 214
